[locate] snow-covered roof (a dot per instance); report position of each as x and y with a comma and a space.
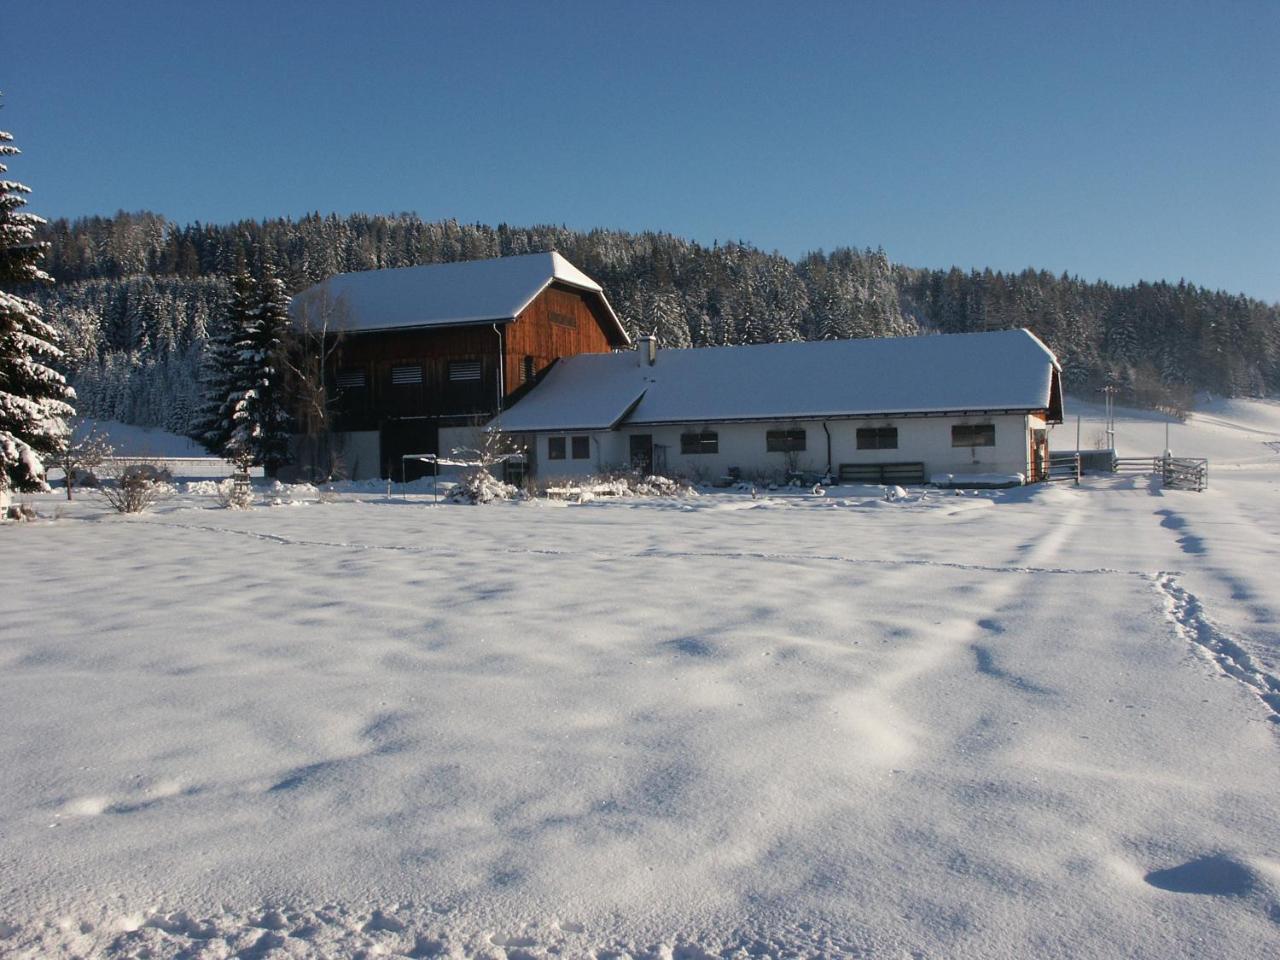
446, 294
1001, 370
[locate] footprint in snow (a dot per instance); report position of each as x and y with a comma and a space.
1215, 875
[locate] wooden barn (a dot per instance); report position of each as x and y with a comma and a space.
970, 408
421, 355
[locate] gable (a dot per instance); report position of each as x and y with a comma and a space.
450, 294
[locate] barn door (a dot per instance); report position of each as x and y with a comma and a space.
408, 435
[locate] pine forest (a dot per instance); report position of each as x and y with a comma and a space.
138, 299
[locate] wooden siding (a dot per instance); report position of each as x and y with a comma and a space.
377, 353
561, 322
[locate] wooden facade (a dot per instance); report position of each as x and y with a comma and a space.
560, 322
407, 383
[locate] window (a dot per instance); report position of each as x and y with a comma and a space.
784, 441
877, 438
555, 448
351, 378
582, 448
407, 374
528, 370
464, 371
973, 435
706, 441
562, 319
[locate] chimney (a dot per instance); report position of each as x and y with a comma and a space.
647, 347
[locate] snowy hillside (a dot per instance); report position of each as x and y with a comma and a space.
1037, 722
1229, 432
130, 440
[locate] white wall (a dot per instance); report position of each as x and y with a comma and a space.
361, 452
742, 445
608, 452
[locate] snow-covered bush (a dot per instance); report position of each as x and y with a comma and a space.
19, 512
620, 484
480, 486
655, 486
134, 486
233, 495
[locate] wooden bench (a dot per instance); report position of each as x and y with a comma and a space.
882, 473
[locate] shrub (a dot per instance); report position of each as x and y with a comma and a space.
480, 486
133, 486
234, 495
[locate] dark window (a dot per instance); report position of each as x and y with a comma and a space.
973, 435
406, 374
351, 378
784, 441
877, 438
582, 448
528, 370
555, 448
463, 371
563, 319
707, 441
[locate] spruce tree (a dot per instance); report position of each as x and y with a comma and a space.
221, 377
33, 395
260, 415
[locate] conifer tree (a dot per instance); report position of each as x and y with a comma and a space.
221, 375
260, 415
34, 397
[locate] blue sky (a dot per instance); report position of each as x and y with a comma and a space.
1120, 140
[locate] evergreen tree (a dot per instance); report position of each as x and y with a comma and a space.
260, 414
221, 374
33, 395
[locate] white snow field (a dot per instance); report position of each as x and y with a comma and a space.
1025, 723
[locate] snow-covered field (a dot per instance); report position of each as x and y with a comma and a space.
1024, 723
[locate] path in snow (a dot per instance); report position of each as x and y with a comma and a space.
1027, 723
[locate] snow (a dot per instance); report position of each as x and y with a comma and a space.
1028, 722
128, 440
441, 294
1231, 433
1002, 370
977, 479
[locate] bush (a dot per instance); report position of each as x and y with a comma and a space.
133, 486
480, 486
234, 496
20, 512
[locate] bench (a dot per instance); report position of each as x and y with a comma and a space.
882, 473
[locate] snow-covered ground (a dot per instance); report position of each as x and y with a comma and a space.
133, 441
1034, 722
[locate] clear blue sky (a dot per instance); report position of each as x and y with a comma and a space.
1117, 140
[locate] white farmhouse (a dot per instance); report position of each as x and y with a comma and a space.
899, 410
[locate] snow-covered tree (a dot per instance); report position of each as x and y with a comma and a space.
260, 415
222, 376
34, 397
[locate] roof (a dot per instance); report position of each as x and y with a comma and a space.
449, 294
1001, 370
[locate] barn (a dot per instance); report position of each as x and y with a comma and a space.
417, 359
894, 410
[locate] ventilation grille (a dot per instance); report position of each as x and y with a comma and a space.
406, 375
461, 371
